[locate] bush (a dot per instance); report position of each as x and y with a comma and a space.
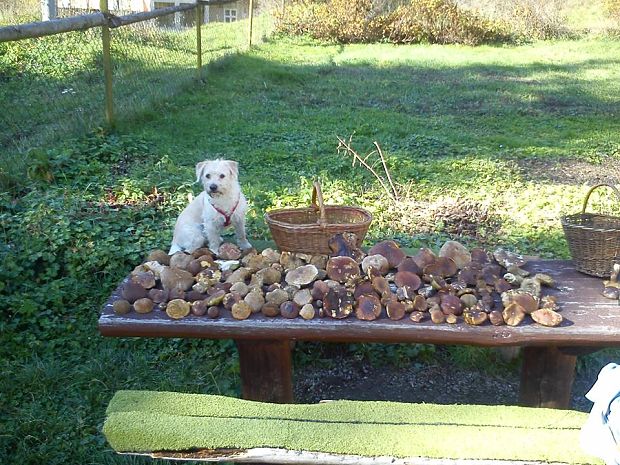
441, 22
433, 21
612, 8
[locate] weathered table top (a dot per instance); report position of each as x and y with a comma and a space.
589, 320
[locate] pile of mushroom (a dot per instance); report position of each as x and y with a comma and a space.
449, 287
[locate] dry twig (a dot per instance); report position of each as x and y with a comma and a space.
345, 146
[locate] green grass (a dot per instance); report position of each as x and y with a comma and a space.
457, 124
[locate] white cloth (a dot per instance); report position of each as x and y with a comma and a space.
601, 432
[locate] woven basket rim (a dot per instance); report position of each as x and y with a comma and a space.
568, 221
281, 211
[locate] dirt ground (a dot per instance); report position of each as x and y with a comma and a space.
438, 382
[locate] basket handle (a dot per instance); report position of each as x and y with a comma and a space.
317, 195
585, 202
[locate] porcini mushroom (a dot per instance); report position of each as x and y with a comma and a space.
547, 317
457, 252
390, 250
342, 269
367, 307
303, 275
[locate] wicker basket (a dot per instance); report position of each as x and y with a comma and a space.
309, 229
593, 239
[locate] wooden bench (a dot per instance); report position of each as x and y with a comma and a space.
215, 428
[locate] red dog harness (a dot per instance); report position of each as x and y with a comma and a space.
226, 216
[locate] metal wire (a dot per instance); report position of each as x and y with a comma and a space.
52, 87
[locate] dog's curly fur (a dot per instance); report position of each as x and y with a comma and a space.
221, 203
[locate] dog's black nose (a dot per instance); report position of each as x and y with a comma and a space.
213, 187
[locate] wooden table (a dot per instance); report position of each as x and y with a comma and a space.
590, 322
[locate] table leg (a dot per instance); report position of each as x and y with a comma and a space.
266, 370
547, 377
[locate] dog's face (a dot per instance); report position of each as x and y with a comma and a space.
217, 176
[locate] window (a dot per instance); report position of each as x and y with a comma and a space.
230, 16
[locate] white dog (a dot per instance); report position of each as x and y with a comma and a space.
220, 204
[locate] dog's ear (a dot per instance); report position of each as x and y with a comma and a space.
199, 169
233, 166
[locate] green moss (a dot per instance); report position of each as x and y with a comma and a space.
143, 421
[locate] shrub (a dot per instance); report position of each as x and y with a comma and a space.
441, 22
434, 21
612, 8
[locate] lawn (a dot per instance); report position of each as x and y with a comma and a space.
487, 144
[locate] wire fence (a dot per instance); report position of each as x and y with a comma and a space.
53, 87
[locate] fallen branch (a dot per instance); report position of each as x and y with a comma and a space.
346, 147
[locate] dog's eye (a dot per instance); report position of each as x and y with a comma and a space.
221, 176
208, 176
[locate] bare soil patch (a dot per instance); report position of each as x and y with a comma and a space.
439, 382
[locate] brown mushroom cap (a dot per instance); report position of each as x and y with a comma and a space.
547, 317
342, 269
395, 310
420, 304
255, 300
479, 256
417, 317
409, 264
367, 307
376, 264
203, 253
269, 275
364, 288
177, 309
491, 273
381, 285
526, 301
468, 276
501, 285
213, 312
496, 318
451, 304
443, 267
146, 279
144, 305
199, 308
121, 307
390, 250
159, 256
437, 316
319, 289
176, 278
277, 296
159, 295
228, 251
307, 312
304, 275
230, 300
474, 317
468, 300
338, 302
241, 310
270, 309
302, 297
457, 252
216, 298
289, 309
407, 279
424, 257
180, 260
513, 314
133, 291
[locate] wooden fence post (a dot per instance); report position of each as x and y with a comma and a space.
107, 67
199, 18
251, 20
48, 10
